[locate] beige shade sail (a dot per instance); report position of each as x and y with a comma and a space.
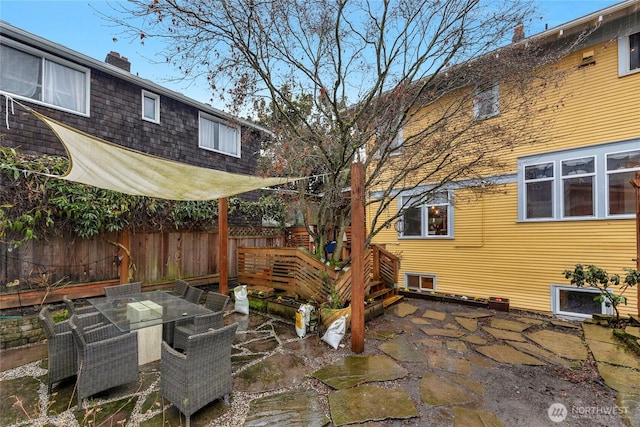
102, 164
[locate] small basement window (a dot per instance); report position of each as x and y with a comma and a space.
420, 281
576, 303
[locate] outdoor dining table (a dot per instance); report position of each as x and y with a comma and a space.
145, 313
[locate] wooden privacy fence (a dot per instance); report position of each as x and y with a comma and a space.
156, 256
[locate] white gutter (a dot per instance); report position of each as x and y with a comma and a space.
597, 16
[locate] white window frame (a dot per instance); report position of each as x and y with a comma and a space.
222, 125
539, 180
420, 276
564, 178
156, 106
609, 173
425, 232
600, 180
42, 84
624, 52
555, 301
395, 144
481, 98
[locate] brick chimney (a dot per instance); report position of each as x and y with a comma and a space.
114, 58
518, 33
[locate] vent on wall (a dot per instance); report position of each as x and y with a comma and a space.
588, 59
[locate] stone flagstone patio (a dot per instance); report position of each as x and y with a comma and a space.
425, 363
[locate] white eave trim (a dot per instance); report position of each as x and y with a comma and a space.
597, 16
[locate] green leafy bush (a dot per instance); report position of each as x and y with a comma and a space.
595, 277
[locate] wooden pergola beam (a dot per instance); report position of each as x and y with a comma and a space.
223, 236
357, 257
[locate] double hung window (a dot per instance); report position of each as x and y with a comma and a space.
629, 53
486, 102
150, 107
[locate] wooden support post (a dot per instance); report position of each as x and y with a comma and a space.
125, 248
636, 184
223, 235
357, 257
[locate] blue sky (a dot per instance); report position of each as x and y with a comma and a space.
76, 25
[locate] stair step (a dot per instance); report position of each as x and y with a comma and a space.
391, 300
379, 293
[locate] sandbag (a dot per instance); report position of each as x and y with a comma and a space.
335, 332
303, 316
241, 299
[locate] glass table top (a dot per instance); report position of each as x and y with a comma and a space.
146, 309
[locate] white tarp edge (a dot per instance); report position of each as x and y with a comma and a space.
102, 164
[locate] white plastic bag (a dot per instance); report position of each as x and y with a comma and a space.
242, 301
303, 316
335, 332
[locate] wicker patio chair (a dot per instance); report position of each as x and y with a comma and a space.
216, 301
199, 324
193, 294
203, 374
179, 288
98, 318
107, 358
123, 290
62, 359
73, 309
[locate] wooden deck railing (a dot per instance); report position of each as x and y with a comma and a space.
297, 271
385, 266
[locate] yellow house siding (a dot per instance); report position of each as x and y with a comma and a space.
597, 105
491, 253
519, 261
